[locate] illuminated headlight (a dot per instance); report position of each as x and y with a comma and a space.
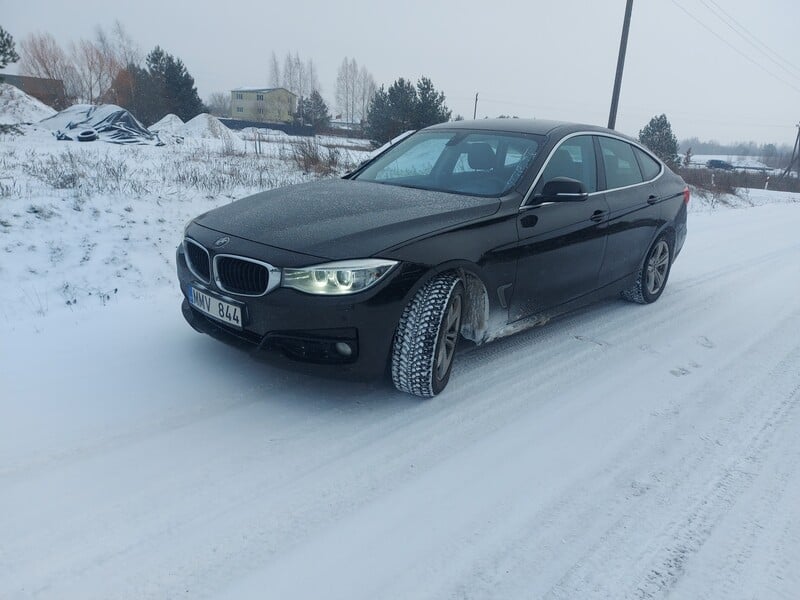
336, 278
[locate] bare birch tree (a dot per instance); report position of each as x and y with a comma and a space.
346, 83
355, 88
274, 71
219, 104
365, 90
97, 65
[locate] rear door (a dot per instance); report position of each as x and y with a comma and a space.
633, 201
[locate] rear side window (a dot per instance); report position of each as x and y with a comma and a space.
620, 163
650, 167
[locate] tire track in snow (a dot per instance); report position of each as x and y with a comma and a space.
690, 534
733, 559
688, 527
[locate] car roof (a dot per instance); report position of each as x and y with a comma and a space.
533, 126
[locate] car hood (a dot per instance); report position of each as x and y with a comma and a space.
340, 218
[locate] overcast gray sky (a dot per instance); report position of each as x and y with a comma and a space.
543, 59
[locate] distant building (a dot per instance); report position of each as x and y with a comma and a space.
276, 105
49, 91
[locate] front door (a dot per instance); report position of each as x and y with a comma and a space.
561, 244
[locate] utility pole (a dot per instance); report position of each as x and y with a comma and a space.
623, 46
795, 155
475, 112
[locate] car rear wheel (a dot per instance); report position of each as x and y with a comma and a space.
426, 337
652, 277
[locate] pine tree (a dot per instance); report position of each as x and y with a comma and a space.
403, 107
431, 108
315, 111
8, 54
145, 94
657, 135
380, 127
170, 82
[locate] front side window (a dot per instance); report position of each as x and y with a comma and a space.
477, 163
575, 158
620, 164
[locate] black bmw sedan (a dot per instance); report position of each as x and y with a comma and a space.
463, 230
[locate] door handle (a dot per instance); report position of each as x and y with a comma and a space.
598, 215
652, 199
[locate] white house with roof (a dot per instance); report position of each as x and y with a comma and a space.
276, 105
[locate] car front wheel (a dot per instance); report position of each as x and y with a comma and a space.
426, 337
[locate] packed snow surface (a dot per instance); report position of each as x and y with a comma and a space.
18, 107
623, 451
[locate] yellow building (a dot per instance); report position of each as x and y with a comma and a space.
276, 105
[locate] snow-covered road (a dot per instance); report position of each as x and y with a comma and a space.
624, 451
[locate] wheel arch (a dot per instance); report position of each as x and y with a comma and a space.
668, 230
477, 307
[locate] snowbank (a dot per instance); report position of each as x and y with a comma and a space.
18, 107
169, 124
207, 127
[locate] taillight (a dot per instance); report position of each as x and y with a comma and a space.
686, 195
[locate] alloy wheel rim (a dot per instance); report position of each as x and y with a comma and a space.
447, 345
657, 267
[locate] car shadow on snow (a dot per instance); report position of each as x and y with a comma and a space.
276, 379
293, 383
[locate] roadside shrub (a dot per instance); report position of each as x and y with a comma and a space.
310, 157
61, 172
727, 182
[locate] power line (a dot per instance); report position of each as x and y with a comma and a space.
735, 49
751, 39
633, 108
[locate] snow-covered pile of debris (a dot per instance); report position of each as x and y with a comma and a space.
106, 122
18, 107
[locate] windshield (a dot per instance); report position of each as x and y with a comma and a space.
476, 163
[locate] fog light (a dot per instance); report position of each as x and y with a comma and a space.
344, 349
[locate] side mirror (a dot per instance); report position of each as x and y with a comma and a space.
564, 189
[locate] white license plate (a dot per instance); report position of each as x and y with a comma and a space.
216, 308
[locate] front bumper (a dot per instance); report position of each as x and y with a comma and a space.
348, 336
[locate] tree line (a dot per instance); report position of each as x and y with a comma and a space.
110, 68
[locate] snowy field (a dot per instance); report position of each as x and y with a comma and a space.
624, 451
